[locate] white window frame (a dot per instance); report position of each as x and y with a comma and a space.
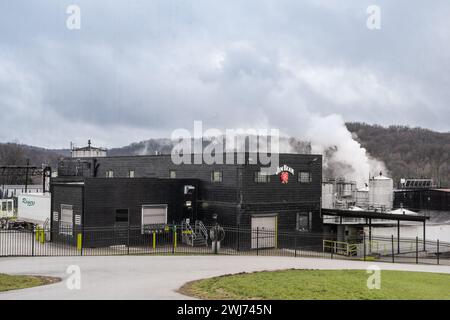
308, 216
131, 173
152, 205
110, 174
304, 181
64, 227
213, 176
261, 177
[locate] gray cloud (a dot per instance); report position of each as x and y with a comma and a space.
140, 69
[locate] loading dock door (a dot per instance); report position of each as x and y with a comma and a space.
264, 232
154, 215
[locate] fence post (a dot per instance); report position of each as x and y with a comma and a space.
128, 240
417, 250
32, 241
173, 239
257, 241
438, 251
238, 237
295, 245
393, 253
364, 244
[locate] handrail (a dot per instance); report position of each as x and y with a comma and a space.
188, 233
202, 228
339, 247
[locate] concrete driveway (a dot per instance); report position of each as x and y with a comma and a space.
158, 277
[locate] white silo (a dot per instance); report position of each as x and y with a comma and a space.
328, 195
381, 192
362, 197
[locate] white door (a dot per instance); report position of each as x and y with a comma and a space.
154, 215
264, 232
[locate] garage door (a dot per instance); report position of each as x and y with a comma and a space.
264, 232
154, 215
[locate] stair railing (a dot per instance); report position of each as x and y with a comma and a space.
201, 229
187, 233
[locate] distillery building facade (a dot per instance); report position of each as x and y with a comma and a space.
141, 191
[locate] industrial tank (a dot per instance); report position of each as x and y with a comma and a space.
362, 198
381, 192
327, 195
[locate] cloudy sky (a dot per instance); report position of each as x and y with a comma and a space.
139, 69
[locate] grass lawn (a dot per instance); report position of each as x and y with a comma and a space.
9, 282
321, 285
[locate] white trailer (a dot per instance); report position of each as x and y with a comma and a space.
34, 207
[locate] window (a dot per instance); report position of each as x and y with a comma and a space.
110, 174
172, 174
216, 176
304, 221
261, 177
131, 174
122, 216
304, 177
66, 222
154, 215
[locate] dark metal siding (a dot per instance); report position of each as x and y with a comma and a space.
234, 199
104, 196
422, 199
68, 194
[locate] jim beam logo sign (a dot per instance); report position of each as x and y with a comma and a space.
283, 172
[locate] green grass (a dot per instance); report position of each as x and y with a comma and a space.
321, 285
9, 282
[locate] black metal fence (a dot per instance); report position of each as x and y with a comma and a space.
176, 240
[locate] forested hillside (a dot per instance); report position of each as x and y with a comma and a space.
407, 152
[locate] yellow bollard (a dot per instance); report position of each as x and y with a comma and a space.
79, 241
174, 238
154, 240
42, 236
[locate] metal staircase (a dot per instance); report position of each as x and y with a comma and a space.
194, 236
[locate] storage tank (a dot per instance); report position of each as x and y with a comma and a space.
362, 198
327, 195
381, 192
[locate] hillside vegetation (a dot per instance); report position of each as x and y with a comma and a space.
407, 152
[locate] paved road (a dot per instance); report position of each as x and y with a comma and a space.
157, 277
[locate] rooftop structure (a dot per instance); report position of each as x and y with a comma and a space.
88, 152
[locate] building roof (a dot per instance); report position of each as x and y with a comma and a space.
88, 148
373, 215
442, 190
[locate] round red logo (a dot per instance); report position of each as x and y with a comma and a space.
284, 177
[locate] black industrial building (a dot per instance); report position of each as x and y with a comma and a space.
423, 199
111, 191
